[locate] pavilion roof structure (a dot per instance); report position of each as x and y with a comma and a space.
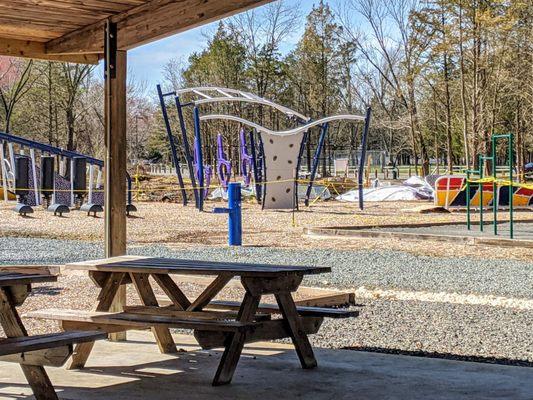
73, 30
80, 31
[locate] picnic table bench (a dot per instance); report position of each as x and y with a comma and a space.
33, 352
215, 323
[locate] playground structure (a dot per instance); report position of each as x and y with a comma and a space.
271, 159
50, 176
481, 192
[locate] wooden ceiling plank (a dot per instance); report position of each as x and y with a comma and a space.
36, 24
15, 9
53, 20
149, 22
25, 32
96, 10
36, 50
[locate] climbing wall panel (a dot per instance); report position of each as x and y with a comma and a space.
281, 158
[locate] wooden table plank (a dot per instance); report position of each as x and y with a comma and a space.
24, 344
15, 278
151, 265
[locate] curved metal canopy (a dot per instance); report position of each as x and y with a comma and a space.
235, 95
289, 132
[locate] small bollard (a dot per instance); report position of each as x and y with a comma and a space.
235, 214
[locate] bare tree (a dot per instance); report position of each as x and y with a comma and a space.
15, 81
72, 78
396, 50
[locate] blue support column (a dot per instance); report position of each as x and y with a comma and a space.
316, 161
256, 165
187, 149
298, 166
175, 158
234, 212
364, 144
200, 160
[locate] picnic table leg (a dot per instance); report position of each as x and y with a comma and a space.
105, 300
210, 292
172, 290
162, 335
298, 335
233, 350
35, 375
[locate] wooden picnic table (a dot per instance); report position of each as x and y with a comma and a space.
257, 280
32, 352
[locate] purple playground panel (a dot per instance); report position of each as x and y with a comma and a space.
246, 160
208, 172
223, 164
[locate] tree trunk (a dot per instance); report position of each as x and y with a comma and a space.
449, 143
463, 88
70, 129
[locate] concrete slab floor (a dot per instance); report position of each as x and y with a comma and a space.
270, 371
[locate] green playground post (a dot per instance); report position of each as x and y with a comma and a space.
510, 143
495, 199
481, 168
511, 188
468, 221
480, 188
495, 187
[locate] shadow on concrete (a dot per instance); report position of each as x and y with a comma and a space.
446, 356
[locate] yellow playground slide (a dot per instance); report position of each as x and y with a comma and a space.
10, 195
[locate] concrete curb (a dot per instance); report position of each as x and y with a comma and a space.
358, 232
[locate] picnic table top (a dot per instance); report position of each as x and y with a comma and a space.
154, 265
8, 278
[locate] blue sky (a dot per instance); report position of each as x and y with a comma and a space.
146, 62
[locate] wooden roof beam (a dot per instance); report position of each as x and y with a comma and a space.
37, 50
148, 22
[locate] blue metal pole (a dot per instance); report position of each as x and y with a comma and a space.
200, 160
235, 217
298, 166
187, 149
173, 150
257, 173
234, 212
362, 160
316, 161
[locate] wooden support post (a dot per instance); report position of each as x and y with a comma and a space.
115, 162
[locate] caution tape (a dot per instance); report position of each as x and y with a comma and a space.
139, 190
499, 182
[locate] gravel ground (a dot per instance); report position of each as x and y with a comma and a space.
351, 269
498, 334
177, 226
445, 330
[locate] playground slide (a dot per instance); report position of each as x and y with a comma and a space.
450, 191
10, 196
